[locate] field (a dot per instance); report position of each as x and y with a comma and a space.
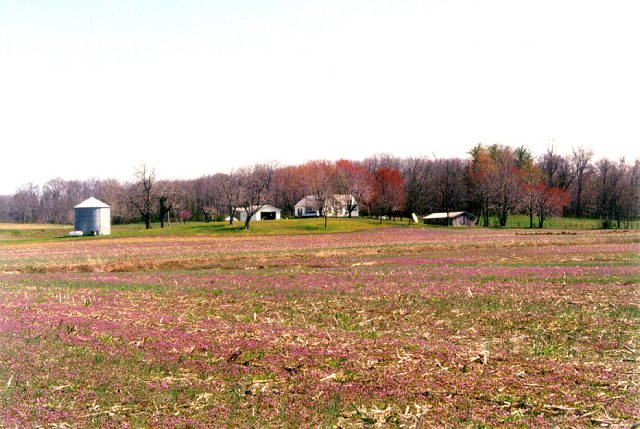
368, 326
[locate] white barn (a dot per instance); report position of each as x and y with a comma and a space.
92, 217
267, 212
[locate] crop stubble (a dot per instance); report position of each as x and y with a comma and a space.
392, 327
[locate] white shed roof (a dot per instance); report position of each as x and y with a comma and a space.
444, 215
265, 208
92, 203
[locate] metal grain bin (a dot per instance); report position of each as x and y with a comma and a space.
92, 217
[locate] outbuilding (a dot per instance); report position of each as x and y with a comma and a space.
454, 219
266, 212
92, 217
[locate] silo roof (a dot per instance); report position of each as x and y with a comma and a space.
92, 203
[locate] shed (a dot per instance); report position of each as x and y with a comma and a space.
266, 212
455, 219
92, 217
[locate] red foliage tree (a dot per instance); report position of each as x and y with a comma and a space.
355, 180
480, 171
531, 178
549, 201
389, 190
289, 187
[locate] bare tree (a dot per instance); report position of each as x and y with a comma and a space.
255, 189
5, 208
142, 193
416, 172
207, 197
505, 179
320, 183
629, 189
53, 202
288, 187
231, 188
167, 194
610, 190
449, 184
114, 193
582, 168
26, 202
556, 169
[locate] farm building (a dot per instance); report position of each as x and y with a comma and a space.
92, 217
336, 206
267, 212
455, 219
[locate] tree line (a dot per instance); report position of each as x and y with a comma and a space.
493, 181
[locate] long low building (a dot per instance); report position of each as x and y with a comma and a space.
454, 219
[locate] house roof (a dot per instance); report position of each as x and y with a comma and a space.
311, 201
91, 203
443, 215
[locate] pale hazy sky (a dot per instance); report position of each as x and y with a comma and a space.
95, 88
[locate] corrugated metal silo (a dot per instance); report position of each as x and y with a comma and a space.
92, 217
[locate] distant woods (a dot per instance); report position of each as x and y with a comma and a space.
493, 181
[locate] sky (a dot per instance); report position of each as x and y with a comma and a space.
94, 89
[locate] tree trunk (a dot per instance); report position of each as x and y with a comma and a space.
578, 206
530, 218
502, 217
325, 221
485, 212
231, 215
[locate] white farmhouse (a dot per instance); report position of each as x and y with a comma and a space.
338, 205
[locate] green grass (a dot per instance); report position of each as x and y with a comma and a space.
278, 227
42, 232
522, 221
11, 233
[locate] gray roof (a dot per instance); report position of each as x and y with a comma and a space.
443, 215
309, 201
91, 203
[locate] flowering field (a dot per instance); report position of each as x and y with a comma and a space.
392, 327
